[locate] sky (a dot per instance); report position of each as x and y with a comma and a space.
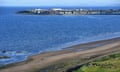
59, 2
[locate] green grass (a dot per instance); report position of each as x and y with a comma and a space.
109, 63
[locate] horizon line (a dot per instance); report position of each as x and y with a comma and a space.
61, 6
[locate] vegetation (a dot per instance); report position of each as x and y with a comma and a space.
109, 63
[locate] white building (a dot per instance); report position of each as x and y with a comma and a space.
57, 9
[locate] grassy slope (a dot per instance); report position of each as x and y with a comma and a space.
109, 63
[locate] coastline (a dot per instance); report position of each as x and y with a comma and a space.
79, 11
46, 59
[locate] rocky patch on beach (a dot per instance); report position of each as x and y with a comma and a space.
11, 56
4, 57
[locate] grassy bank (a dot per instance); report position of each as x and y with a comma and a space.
109, 63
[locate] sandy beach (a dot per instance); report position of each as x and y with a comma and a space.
81, 53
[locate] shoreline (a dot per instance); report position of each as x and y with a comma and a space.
46, 59
66, 46
78, 11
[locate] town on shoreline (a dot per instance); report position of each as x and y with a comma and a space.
60, 11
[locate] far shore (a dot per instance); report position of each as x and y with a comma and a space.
66, 59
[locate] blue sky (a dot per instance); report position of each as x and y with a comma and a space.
59, 2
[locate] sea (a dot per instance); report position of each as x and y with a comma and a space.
24, 35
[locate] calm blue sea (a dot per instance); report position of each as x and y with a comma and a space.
25, 35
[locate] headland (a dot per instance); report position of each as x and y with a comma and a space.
60, 11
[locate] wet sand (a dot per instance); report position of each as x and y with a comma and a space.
91, 51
